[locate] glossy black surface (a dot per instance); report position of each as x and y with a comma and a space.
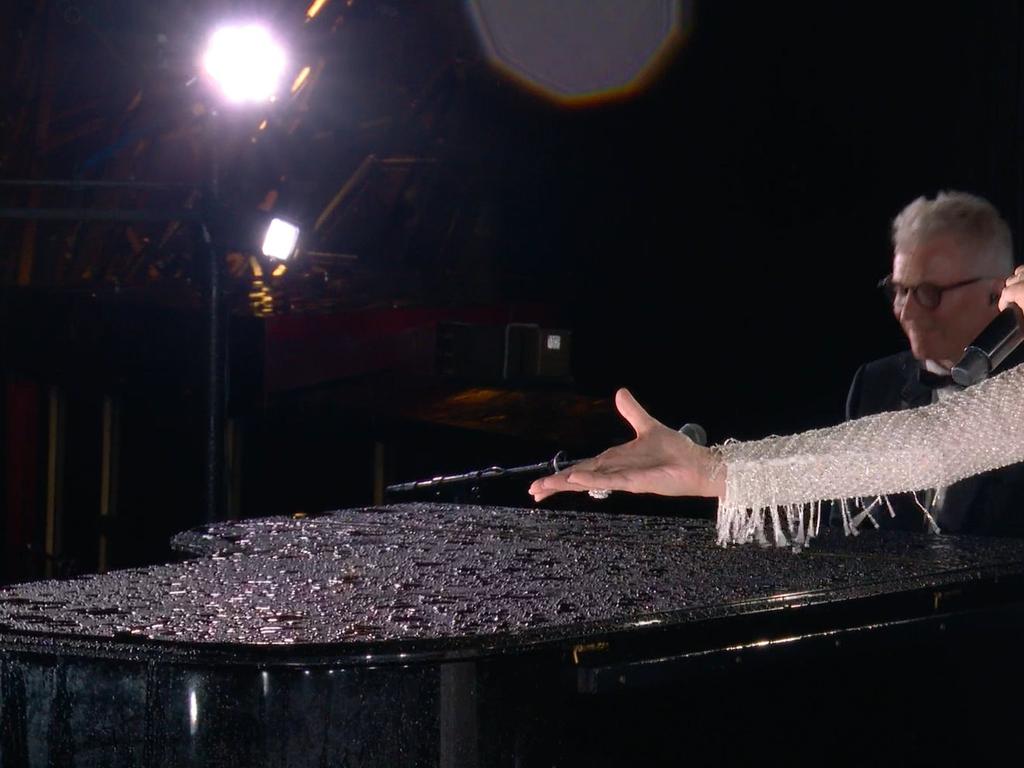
418, 576
428, 634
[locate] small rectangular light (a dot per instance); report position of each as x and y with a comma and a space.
300, 79
314, 8
280, 240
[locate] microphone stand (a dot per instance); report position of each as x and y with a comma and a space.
556, 464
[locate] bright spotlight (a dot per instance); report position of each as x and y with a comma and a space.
280, 240
245, 62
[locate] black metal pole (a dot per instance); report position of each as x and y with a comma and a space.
215, 384
557, 464
216, 345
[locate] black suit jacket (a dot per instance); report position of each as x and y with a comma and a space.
990, 504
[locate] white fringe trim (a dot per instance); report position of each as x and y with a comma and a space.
796, 525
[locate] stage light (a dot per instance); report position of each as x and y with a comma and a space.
300, 79
280, 241
245, 62
314, 8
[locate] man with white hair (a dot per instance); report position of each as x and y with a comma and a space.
951, 257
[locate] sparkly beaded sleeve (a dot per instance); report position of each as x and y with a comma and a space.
776, 484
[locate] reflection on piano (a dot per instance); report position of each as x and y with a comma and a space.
465, 636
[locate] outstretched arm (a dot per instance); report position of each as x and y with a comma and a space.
976, 430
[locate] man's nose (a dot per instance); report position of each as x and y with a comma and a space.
909, 309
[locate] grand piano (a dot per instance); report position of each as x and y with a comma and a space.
439, 634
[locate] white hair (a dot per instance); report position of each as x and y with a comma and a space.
971, 219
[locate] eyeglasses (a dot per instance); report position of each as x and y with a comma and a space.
928, 295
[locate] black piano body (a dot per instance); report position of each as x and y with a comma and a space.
432, 634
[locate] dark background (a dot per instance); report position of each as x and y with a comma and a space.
713, 241
730, 227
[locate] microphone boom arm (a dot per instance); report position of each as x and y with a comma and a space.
557, 463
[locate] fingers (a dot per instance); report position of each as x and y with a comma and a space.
540, 495
609, 480
597, 473
1013, 293
579, 481
633, 412
588, 475
565, 480
543, 487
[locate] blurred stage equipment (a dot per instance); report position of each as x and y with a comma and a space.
513, 352
579, 51
27, 344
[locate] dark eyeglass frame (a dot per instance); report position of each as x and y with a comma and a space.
928, 295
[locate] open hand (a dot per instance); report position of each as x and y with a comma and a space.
1013, 293
659, 460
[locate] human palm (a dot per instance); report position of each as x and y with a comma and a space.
658, 460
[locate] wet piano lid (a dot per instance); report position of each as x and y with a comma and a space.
457, 581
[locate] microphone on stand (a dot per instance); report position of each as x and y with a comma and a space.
695, 432
992, 346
